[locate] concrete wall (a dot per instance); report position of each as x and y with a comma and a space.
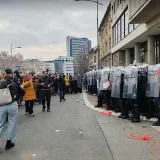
135, 5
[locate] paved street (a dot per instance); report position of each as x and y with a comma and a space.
72, 131
39, 140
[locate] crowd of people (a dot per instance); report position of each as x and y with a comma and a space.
31, 89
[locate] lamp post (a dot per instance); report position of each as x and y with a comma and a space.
13, 48
98, 3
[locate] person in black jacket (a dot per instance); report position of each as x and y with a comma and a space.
10, 110
18, 80
61, 87
45, 83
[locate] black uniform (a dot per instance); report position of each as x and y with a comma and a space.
45, 84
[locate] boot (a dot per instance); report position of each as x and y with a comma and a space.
150, 109
125, 117
135, 120
98, 106
136, 115
158, 115
48, 110
156, 123
9, 145
120, 116
43, 109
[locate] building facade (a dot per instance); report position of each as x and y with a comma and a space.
77, 46
135, 31
50, 65
105, 39
33, 65
93, 58
64, 65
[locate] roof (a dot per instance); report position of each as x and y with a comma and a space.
105, 17
93, 50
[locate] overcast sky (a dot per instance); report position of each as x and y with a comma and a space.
40, 27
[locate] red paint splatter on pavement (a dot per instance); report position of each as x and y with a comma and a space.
139, 138
106, 113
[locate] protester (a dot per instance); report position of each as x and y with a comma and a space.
30, 95
18, 80
10, 110
67, 84
73, 85
61, 87
79, 83
45, 83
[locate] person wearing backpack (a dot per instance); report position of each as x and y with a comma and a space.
10, 109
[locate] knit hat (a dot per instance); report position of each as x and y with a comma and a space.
8, 71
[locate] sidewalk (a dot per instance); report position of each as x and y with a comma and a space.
127, 141
91, 101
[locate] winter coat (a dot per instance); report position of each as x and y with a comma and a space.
61, 83
30, 90
79, 82
14, 89
44, 82
67, 81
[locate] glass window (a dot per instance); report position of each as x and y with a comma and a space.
157, 49
122, 27
116, 33
114, 7
131, 27
113, 41
119, 30
112, 11
126, 23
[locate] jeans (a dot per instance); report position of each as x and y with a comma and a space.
61, 93
12, 111
29, 106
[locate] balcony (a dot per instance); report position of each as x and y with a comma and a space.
142, 11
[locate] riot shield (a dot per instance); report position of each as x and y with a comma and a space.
153, 81
116, 84
104, 78
130, 82
90, 78
98, 78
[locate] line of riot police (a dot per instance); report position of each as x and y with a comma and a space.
133, 90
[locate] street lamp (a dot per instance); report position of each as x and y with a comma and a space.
98, 3
13, 48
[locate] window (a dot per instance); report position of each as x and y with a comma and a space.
122, 26
94, 59
109, 43
114, 38
131, 27
119, 2
114, 7
119, 30
126, 23
116, 34
157, 49
112, 11
106, 47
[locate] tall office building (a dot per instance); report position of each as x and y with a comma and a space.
76, 46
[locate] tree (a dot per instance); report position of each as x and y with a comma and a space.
82, 63
8, 61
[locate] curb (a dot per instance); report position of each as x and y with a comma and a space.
113, 113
